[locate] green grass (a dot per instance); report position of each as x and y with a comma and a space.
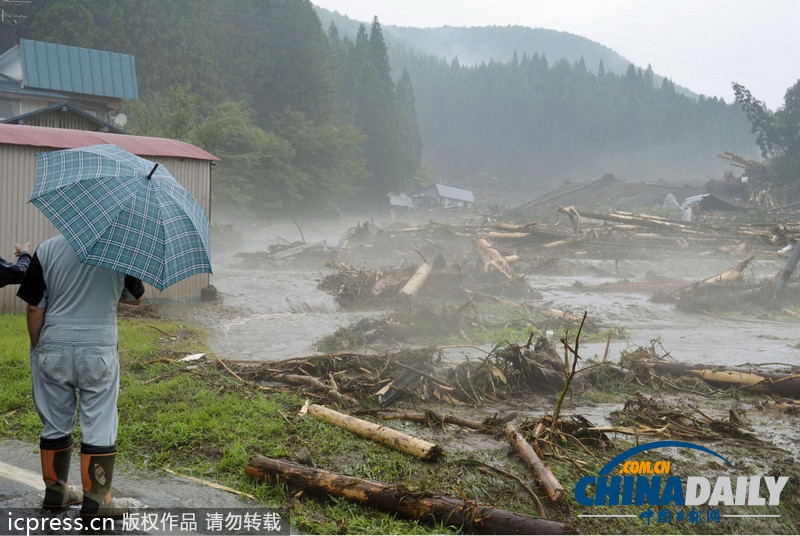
197, 419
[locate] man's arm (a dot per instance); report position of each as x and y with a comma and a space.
35, 323
133, 292
13, 274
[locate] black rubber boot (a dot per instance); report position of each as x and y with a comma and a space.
56, 455
97, 470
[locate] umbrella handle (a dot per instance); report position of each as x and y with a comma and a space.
150, 175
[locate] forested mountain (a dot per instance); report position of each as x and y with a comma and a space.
309, 116
525, 106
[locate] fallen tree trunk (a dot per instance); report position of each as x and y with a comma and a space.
575, 218
731, 274
787, 385
430, 417
299, 379
508, 235
644, 220
290, 252
413, 286
532, 460
465, 515
388, 436
491, 257
573, 239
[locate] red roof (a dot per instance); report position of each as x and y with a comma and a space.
62, 138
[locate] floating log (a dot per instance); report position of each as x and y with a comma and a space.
466, 515
388, 436
532, 460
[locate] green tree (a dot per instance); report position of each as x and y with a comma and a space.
65, 23
256, 174
777, 135
289, 64
171, 114
329, 155
411, 143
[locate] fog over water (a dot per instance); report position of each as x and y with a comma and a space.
273, 311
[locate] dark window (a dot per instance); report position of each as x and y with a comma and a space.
8, 108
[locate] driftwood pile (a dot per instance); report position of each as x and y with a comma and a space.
645, 416
443, 271
369, 384
495, 258
353, 379
509, 370
506, 372
649, 367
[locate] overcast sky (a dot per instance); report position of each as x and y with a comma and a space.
703, 45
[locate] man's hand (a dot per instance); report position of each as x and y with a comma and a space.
35, 320
26, 247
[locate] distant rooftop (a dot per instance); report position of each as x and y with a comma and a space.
452, 192
77, 70
62, 138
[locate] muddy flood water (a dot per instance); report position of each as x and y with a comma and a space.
269, 311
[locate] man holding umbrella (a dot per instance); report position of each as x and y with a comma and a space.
72, 324
124, 220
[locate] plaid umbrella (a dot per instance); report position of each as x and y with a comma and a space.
123, 212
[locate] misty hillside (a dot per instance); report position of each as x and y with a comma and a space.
522, 107
476, 45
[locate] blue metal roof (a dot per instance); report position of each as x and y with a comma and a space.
78, 70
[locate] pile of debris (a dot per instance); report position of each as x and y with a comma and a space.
418, 375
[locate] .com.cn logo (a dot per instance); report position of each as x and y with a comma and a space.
651, 483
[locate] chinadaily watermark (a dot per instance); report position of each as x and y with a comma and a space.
173, 521
670, 498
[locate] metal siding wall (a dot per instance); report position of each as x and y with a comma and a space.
58, 119
31, 105
22, 222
